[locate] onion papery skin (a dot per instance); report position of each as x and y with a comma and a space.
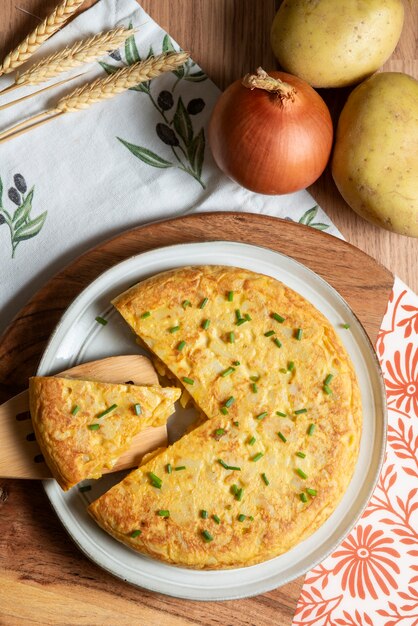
268, 144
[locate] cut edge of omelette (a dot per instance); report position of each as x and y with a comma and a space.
83, 426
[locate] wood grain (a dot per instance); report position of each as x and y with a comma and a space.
46, 568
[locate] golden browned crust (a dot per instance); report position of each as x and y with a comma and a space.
289, 376
71, 449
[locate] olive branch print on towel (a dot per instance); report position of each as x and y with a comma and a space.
19, 220
176, 128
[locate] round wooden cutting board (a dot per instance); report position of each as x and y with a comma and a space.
34, 548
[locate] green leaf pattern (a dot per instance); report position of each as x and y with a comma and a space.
308, 219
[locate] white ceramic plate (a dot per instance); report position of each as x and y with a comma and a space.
79, 338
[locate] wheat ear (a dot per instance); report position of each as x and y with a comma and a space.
79, 53
41, 33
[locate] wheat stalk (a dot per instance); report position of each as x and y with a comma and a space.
41, 33
80, 52
123, 79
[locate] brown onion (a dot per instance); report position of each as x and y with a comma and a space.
271, 133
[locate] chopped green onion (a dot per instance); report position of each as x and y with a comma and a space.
168, 468
207, 536
234, 489
173, 329
230, 296
282, 370
163, 513
204, 514
241, 322
75, 410
101, 320
250, 517
255, 378
301, 455
261, 416
298, 334
311, 429
224, 410
228, 467
238, 314
300, 411
231, 337
155, 480
281, 414
269, 333
236, 423
328, 379
181, 346
227, 372
230, 401
203, 303
282, 437
277, 342
257, 457
248, 317
278, 318
84, 488
237, 363
327, 390
216, 519
254, 387
179, 468
266, 480
136, 533
205, 324
239, 494
346, 326
187, 380
93, 426
303, 497
186, 303
312, 492
108, 410
241, 517
220, 432
145, 315
137, 408
301, 473
290, 366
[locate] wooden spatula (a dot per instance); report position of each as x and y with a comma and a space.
20, 454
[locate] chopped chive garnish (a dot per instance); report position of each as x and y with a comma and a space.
252, 441
231, 337
248, 317
181, 346
327, 390
75, 410
173, 329
186, 303
237, 363
261, 416
224, 410
230, 401
93, 426
236, 423
311, 429
145, 315
290, 366
137, 408
303, 497
205, 324
168, 468
301, 455
207, 536
84, 488
282, 370
254, 387
179, 468
328, 379
300, 411
278, 318
163, 513
277, 342
241, 322
266, 480
228, 467
203, 303
101, 320
187, 380
241, 517
227, 372
298, 334
282, 437
257, 457
230, 296
255, 378
281, 414
216, 519
234, 489
220, 432
301, 473
312, 492
136, 533
250, 517
269, 333
204, 514
155, 480
238, 314
346, 326
239, 494
108, 410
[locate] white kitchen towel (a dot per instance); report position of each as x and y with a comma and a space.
139, 157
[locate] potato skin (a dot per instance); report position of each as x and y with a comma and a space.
375, 160
334, 44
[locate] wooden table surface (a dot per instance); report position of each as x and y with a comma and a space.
227, 38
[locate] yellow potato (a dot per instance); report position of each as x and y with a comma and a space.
333, 43
375, 161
